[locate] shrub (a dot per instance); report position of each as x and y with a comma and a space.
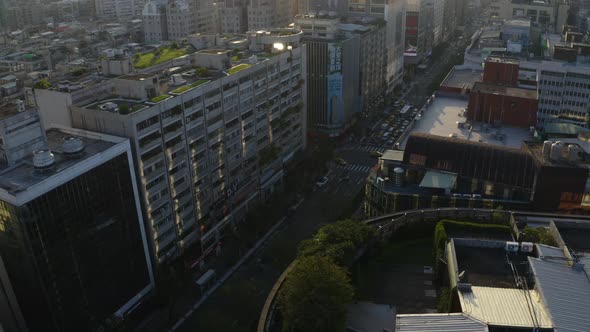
539, 235
42, 84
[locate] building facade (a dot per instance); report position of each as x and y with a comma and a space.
419, 27
74, 251
546, 13
265, 14
118, 9
179, 20
208, 148
155, 22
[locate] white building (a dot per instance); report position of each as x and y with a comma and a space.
438, 13
265, 14
155, 26
117, 9
179, 20
207, 147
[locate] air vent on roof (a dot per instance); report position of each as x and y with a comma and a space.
72, 145
109, 107
43, 159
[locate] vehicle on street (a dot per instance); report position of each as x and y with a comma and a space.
345, 177
340, 161
322, 181
375, 154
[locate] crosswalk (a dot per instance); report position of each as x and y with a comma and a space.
355, 168
368, 148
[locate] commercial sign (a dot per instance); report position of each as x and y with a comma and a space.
334, 81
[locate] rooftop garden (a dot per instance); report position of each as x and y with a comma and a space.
159, 98
190, 86
159, 55
126, 109
238, 68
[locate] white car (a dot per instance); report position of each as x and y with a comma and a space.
322, 181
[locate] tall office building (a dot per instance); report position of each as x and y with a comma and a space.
419, 27
333, 79
179, 19
73, 247
155, 23
393, 12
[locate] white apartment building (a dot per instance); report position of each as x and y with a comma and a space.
564, 92
265, 14
438, 13
179, 20
117, 9
206, 148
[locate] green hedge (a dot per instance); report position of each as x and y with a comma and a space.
441, 237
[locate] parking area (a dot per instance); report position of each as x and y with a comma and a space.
399, 275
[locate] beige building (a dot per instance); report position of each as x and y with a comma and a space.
547, 13
209, 147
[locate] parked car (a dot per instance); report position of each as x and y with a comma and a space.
375, 154
341, 161
322, 181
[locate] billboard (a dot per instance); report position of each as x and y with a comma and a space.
334, 81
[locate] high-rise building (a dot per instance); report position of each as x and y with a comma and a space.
73, 250
264, 14
332, 100
118, 9
438, 16
419, 27
155, 23
393, 13
550, 14
233, 16
207, 143
179, 19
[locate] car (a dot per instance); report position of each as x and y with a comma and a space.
390, 141
466, 196
322, 181
341, 161
376, 154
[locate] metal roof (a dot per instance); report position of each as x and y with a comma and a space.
504, 307
565, 291
549, 251
456, 322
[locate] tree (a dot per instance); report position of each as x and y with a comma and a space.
203, 72
338, 241
42, 84
124, 109
315, 295
538, 235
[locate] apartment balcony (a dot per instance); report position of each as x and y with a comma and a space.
170, 119
171, 132
163, 242
148, 130
152, 160
163, 228
177, 189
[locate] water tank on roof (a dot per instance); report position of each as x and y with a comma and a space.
573, 152
556, 150
43, 159
526, 247
511, 246
72, 145
177, 79
20, 105
398, 176
547, 149
109, 107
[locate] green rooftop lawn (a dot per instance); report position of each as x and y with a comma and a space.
149, 59
238, 68
190, 86
159, 98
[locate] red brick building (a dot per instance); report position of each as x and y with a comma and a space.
498, 99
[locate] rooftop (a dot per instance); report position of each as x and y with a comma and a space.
536, 150
23, 177
370, 317
505, 90
462, 78
510, 307
7, 110
441, 119
438, 323
566, 293
487, 267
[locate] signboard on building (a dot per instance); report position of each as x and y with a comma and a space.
335, 106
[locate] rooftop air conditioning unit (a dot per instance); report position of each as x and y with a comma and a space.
511, 246
526, 247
